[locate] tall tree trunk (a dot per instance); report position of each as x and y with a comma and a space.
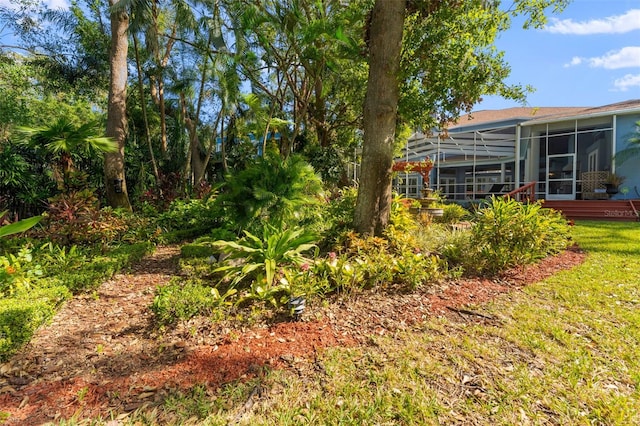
199, 174
373, 206
163, 116
143, 105
320, 115
115, 182
193, 156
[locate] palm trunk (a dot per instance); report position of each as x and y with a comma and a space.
193, 157
145, 118
115, 182
212, 144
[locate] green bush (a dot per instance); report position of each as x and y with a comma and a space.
453, 213
196, 250
415, 269
259, 258
97, 268
21, 317
509, 233
17, 272
188, 219
181, 301
336, 217
374, 261
63, 271
327, 161
279, 191
400, 217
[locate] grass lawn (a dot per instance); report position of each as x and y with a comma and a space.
563, 351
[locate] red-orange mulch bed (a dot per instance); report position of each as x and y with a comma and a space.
102, 353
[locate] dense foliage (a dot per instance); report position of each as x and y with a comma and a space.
258, 179
279, 263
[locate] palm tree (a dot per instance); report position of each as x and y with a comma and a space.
63, 140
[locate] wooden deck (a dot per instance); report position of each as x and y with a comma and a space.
614, 210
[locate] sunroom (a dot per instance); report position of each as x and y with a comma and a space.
568, 152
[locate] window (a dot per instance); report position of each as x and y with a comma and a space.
448, 185
408, 187
592, 161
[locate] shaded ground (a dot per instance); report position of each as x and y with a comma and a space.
101, 353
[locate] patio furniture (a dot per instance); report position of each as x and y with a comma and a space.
593, 185
496, 189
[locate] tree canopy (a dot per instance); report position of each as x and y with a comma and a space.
210, 83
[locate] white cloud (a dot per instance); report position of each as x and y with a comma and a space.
627, 57
619, 24
576, 60
630, 80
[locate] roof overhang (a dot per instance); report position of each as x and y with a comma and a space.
492, 145
597, 114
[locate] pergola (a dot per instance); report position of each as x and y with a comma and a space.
423, 168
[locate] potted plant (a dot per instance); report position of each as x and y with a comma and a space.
613, 182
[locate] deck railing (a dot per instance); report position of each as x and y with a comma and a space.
524, 193
633, 207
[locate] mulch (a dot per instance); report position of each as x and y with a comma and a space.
103, 354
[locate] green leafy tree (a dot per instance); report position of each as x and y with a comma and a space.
448, 63
304, 64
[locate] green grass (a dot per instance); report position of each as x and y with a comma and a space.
562, 351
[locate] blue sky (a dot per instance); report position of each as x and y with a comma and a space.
589, 55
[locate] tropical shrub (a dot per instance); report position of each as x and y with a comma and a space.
70, 217
17, 272
336, 217
509, 233
368, 262
339, 272
75, 218
64, 143
400, 217
280, 192
327, 161
304, 280
35, 281
196, 250
414, 269
187, 219
452, 213
60, 258
254, 258
93, 269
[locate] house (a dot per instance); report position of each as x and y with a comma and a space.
569, 152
